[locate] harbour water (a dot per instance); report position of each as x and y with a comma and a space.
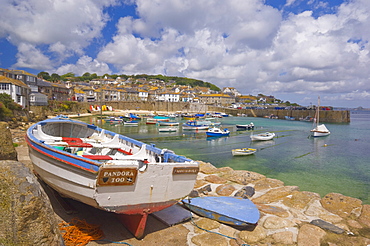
337, 163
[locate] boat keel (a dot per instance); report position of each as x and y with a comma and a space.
135, 223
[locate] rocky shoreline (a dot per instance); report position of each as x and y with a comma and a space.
288, 216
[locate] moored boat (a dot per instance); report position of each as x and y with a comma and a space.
168, 123
193, 125
217, 132
155, 119
167, 129
109, 171
131, 123
243, 151
263, 136
319, 130
307, 118
132, 116
115, 119
249, 126
289, 117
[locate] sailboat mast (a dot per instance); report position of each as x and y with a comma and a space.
318, 111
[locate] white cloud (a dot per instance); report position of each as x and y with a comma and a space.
239, 43
66, 27
30, 56
83, 65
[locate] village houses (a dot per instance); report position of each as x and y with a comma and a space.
28, 90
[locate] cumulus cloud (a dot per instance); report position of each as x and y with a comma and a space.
65, 27
84, 64
29, 56
240, 43
247, 45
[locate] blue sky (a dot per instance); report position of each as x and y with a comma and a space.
295, 50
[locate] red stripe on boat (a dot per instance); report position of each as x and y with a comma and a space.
98, 157
125, 152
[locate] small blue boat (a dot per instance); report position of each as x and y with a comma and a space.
217, 132
234, 211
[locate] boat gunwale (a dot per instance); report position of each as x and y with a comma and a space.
64, 153
59, 119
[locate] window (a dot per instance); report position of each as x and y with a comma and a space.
4, 87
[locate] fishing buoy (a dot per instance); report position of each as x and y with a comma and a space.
325, 145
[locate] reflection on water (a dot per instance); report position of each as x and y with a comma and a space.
336, 163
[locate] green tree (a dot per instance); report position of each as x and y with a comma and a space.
55, 77
68, 76
43, 75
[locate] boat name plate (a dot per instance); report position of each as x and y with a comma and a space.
185, 170
117, 176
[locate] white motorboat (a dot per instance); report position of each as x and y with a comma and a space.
217, 132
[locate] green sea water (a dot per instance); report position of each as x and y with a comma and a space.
337, 163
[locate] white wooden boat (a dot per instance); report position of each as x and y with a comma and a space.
167, 129
249, 126
243, 151
319, 130
109, 171
131, 123
193, 125
155, 119
168, 123
263, 136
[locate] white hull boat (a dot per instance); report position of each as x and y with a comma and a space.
167, 129
263, 136
192, 125
243, 151
168, 123
131, 123
109, 171
319, 130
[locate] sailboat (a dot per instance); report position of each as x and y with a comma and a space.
319, 130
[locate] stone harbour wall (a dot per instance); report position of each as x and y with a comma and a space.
186, 107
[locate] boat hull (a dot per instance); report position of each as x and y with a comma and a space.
212, 134
139, 183
245, 127
168, 123
263, 137
319, 134
320, 131
243, 152
232, 211
192, 125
